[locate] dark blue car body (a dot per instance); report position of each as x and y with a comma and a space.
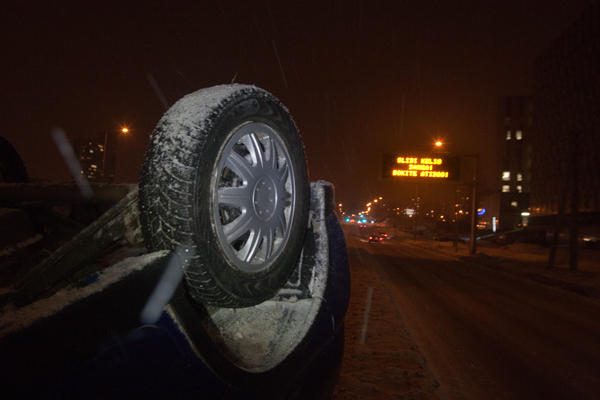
96, 347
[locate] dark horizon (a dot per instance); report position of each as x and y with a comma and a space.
343, 69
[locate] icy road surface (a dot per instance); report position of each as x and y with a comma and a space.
484, 333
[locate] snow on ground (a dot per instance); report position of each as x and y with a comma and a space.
530, 261
380, 359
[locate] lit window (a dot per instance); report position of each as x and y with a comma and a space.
519, 135
519, 177
505, 188
506, 175
507, 135
519, 188
514, 203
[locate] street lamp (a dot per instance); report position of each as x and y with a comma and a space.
124, 131
439, 143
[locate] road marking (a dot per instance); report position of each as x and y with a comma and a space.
363, 331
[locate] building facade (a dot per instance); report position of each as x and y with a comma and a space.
97, 157
514, 131
566, 139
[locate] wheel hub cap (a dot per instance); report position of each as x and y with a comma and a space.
253, 196
265, 198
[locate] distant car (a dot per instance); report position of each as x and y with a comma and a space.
591, 241
375, 238
383, 235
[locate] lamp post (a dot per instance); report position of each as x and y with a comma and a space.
439, 145
104, 153
473, 237
473, 185
124, 131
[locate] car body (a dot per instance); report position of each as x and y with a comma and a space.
88, 339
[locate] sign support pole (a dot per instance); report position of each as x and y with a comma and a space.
473, 236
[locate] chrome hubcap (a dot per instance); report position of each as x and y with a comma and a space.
264, 198
253, 199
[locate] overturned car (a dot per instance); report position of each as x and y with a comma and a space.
228, 275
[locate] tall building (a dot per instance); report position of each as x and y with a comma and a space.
514, 126
566, 141
96, 156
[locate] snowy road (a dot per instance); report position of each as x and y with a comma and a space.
486, 334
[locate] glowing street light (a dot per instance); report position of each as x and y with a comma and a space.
439, 143
124, 130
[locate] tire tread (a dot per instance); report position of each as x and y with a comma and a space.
167, 186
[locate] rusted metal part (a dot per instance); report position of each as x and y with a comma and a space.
118, 223
61, 193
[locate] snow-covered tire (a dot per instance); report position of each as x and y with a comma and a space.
225, 180
12, 167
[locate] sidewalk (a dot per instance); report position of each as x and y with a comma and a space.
380, 359
530, 261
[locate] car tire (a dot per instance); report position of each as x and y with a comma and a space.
225, 179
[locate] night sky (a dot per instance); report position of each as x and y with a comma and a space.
346, 67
